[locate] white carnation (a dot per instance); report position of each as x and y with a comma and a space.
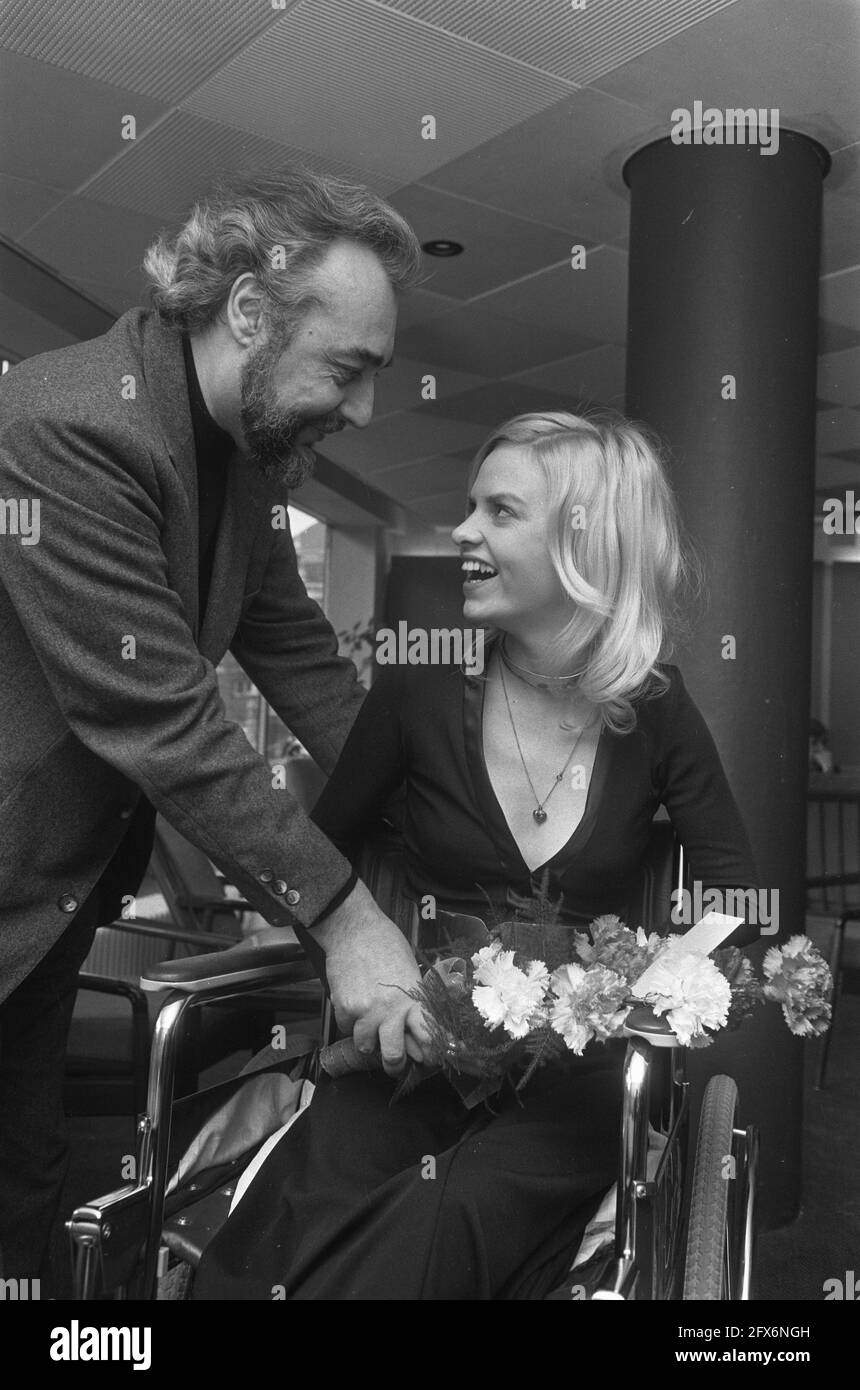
690, 989
506, 996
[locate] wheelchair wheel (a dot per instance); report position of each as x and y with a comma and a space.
712, 1231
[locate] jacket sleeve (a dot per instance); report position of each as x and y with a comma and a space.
289, 649
696, 793
113, 641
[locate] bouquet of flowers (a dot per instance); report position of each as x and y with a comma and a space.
502, 1012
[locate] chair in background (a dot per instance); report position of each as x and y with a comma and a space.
833, 875
108, 1056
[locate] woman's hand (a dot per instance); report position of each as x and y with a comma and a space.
370, 970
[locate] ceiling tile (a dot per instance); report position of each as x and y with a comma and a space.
23, 202
577, 44
115, 295
152, 46
94, 245
592, 300
23, 333
445, 510
353, 80
498, 401
399, 387
835, 337
553, 166
844, 176
589, 378
399, 439
181, 158
840, 301
839, 233
420, 306
446, 472
498, 248
59, 127
839, 376
475, 336
749, 55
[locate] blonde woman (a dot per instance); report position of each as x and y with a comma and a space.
549, 765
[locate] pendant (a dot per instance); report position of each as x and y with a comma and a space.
539, 815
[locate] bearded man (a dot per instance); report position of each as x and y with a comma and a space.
156, 459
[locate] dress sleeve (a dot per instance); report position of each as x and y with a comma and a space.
370, 769
693, 787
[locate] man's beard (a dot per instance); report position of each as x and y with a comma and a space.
270, 429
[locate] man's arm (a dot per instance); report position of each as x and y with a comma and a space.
113, 641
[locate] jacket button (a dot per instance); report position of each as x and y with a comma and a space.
279, 886
293, 897
265, 875
126, 813
67, 902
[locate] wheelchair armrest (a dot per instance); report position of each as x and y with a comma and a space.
642, 1022
274, 963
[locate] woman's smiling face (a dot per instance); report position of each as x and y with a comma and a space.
507, 530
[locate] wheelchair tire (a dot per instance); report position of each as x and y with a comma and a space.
710, 1234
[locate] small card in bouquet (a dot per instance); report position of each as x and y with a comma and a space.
703, 938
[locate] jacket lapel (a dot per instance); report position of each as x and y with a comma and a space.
246, 503
164, 373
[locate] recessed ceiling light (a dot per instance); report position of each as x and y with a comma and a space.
442, 247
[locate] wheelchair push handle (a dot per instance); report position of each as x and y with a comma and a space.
343, 1057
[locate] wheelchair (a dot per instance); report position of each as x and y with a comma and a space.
669, 1229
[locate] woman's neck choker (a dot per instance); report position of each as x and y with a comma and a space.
536, 678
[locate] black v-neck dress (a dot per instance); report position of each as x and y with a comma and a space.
426, 1200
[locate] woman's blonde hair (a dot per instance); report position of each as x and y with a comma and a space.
616, 544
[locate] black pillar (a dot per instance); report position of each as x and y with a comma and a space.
724, 264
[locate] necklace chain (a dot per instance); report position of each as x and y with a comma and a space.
539, 814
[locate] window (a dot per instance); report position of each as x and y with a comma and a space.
243, 701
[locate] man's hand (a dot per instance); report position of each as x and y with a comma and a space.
370, 968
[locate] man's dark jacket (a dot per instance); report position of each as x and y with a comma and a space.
101, 435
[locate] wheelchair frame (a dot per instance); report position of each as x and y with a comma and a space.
116, 1239
652, 1256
